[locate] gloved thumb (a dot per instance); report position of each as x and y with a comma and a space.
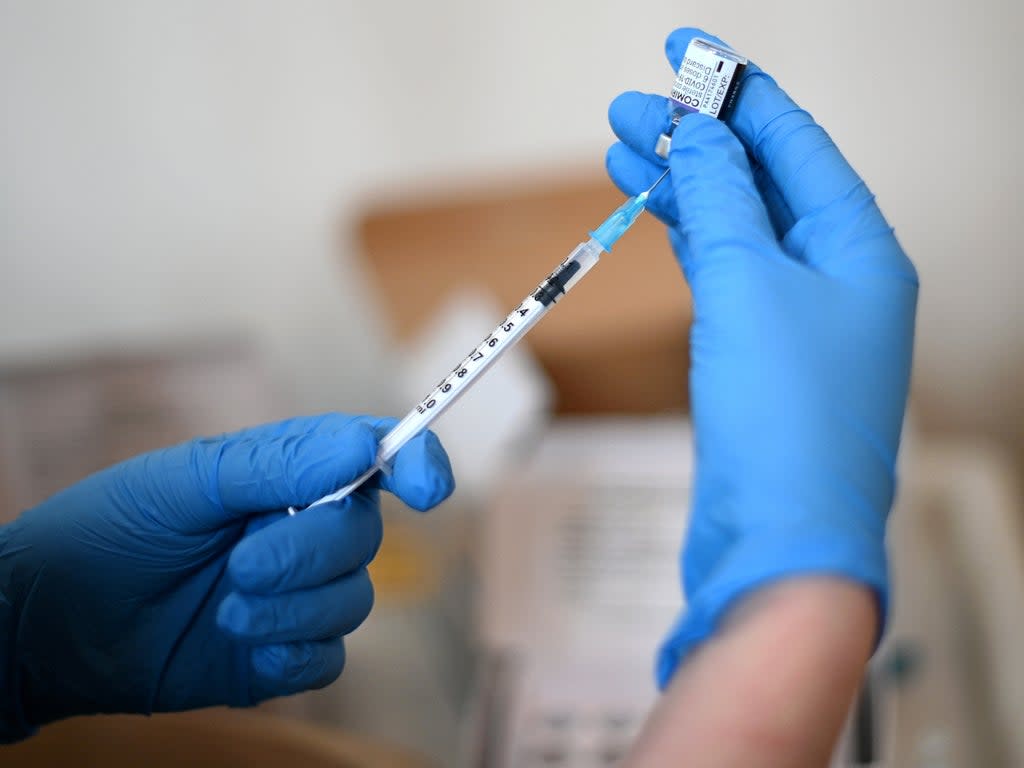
298, 461
721, 214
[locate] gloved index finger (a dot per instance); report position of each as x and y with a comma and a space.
799, 156
260, 474
296, 462
421, 474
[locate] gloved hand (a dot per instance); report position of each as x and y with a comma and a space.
800, 349
176, 580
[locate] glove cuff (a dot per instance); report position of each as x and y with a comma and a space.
13, 724
766, 557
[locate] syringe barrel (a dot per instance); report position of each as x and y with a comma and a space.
504, 336
460, 380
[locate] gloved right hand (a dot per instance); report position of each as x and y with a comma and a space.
800, 350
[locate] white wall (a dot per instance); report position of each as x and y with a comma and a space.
172, 168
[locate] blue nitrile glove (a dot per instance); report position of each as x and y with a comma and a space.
800, 349
176, 580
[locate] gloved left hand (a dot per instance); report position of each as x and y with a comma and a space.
176, 580
804, 305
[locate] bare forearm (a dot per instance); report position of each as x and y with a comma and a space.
773, 688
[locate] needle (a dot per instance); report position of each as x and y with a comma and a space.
656, 183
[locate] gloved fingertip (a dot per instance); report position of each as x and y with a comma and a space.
613, 159
638, 119
678, 41
423, 473
297, 666
442, 468
626, 169
233, 614
277, 661
429, 492
633, 174
625, 109
252, 566
615, 107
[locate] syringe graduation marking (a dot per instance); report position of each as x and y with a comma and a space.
503, 337
546, 294
477, 357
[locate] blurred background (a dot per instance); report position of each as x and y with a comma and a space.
220, 212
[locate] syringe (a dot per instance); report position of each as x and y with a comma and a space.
514, 327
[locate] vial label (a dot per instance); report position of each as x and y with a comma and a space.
707, 79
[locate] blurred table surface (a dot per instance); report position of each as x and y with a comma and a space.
212, 738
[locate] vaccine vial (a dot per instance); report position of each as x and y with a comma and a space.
707, 83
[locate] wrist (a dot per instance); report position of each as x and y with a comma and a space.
773, 687
851, 553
